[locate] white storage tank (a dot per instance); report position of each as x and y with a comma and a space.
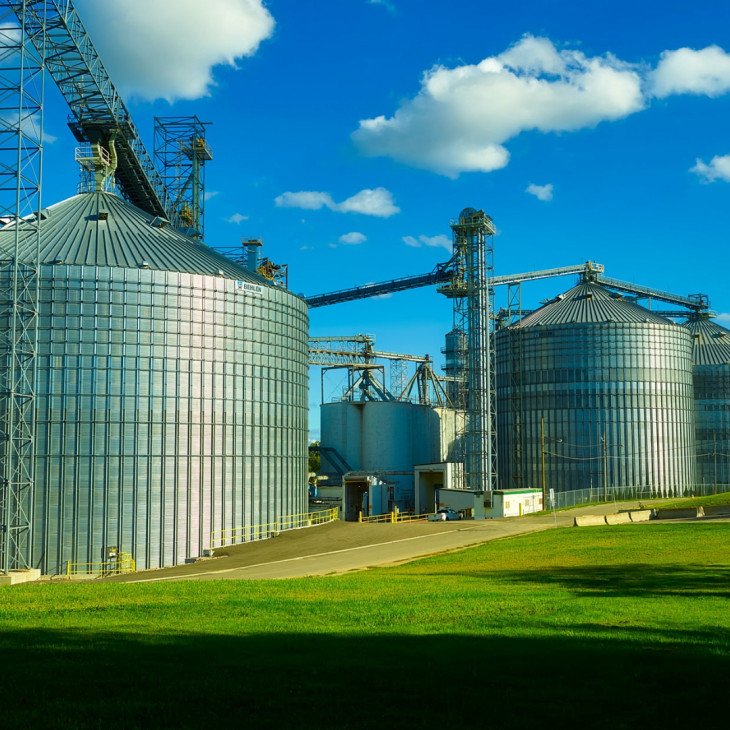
386, 438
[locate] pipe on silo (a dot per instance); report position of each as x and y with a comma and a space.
252, 253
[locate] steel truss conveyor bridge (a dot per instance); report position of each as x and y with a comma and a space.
442, 274
467, 278
469, 281
100, 117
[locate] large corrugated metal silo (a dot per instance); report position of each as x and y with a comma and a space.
711, 355
171, 390
612, 385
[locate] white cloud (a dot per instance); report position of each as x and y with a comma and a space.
723, 319
168, 48
385, 3
541, 192
30, 125
353, 239
237, 218
718, 169
441, 241
210, 194
305, 199
462, 117
686, 71
378, 202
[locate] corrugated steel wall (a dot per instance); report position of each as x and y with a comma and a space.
168, 405
629, 380
712, 401
711, 354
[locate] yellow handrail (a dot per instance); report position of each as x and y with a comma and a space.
393, 517
123, 564
234, 535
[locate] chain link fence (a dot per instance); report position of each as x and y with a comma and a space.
626, 494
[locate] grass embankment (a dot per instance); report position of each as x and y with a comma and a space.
615, 627
648, 503
711, 499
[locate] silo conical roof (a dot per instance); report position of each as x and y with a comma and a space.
589, 303
711, 341
101, 229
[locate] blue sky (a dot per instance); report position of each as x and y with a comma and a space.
347, 133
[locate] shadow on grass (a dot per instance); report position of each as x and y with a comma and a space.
123, 680
630, 580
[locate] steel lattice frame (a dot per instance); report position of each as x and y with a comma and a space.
21, 123
473, 294
516, 383
98, 110
181, 153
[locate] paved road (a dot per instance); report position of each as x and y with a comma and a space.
340, 547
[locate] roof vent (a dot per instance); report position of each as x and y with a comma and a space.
45, 213
159, 222
144, 265
220, 272
57, 262
103, 215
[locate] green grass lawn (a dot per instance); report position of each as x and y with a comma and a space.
711, 499
615, 627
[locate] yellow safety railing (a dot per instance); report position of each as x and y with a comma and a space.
393, 517
374, 519
124, 563
404, 517
235, 535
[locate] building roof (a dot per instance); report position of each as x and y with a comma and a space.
101, 229
589, 303
711, 342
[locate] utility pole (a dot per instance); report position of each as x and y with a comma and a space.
605, 468
542, 451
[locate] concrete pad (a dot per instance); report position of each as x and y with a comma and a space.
14, 577
686, 513
622, 518
716, 509
589, 520
641, 515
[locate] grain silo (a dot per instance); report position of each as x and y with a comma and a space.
171, 389
711, 355
595, 392
382, 441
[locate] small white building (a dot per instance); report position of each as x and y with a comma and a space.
514, 502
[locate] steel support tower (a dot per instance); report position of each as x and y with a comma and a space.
472, 292
22, 43
98, 113
181, 152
